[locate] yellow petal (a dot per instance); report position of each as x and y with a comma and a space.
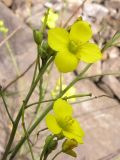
76, 129
80, 31
89, 53
58, 39
66, 62
52, 124
72, 136
62, 109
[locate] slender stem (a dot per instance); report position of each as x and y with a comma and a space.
35, 71
38, 46
57, 155
89, 99
10, 35
13, 132
45, 21
6, 107
13, 59
74, 13
40, 118
65, 98
21, 75
97, 75
26, 134
77, 96
44, 129
40, 95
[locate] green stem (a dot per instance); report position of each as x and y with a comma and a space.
6, 107
26, 134
13, 132
14, 61
35, 124
89, 99
38, 47
45, 21
40, 95
65, 98
57, 155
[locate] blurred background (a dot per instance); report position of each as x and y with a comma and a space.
99, 117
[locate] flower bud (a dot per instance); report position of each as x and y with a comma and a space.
53, 144
50, 144
37, 36
69, 144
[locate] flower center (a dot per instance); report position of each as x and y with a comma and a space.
66, 122
73, 47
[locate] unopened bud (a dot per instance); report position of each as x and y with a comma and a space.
69, 144
37, 36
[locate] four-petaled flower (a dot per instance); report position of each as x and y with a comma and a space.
73, 46
62, 122
51, 20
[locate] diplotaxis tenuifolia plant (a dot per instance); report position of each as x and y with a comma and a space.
66, 47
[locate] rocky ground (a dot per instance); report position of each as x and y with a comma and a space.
100, 117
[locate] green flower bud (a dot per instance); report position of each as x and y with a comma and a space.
37, 36
50, 144
53, 144
69, 144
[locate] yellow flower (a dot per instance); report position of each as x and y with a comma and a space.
74, 46
62, 122
52, 18
3, 29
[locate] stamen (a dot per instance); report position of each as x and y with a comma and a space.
73, 47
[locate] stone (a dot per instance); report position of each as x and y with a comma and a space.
22, 8
111, 65
34, 21
96, 68
113, 52
93, 9
113, 83
105, 88
112, 4
8, 3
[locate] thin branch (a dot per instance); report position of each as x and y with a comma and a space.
26, 133
44, 129
9, 36
6, 107
89, 99
74, 13
57, 155
21, 75
103, 74
65, 98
